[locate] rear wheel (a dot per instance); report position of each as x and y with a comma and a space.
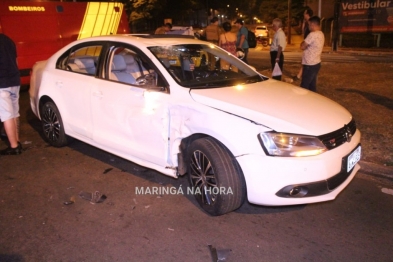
215, 177
52, 125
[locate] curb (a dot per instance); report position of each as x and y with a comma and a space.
295, 47
373, 169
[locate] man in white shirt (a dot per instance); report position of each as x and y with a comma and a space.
278, 46
311, 59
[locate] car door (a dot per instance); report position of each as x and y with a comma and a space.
74, 82
130, 118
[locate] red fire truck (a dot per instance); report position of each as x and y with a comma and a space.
41, 28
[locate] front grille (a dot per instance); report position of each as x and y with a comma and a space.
340, 136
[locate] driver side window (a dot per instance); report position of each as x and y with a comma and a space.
126, 66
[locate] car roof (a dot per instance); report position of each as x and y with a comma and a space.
146, 40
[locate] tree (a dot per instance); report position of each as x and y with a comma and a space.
270, 9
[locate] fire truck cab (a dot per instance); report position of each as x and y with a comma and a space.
39, 29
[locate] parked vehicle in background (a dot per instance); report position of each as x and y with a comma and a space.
40, 28
183, 106
261, 31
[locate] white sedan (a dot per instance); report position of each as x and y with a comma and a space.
186, 107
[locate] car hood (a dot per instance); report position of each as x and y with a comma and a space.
280, 106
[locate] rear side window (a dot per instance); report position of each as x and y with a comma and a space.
81, 60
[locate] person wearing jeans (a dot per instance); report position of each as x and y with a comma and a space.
312, 48
242, 41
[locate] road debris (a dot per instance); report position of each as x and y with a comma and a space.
219, 254
69, 202
94, 198
107, 170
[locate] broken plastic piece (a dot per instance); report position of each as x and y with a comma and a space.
213, 252
107, 170
71, 201
219, 255
95, 197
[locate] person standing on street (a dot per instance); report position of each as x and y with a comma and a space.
212, 35
212, 31
242, 42
278, 46
162, 30
306, 16
228, 43
9, 94
312, 48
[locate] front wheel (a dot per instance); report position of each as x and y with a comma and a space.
52, 125
215, 177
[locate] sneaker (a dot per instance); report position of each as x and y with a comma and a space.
12, 151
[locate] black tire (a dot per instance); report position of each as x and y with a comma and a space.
52, 125
211, 164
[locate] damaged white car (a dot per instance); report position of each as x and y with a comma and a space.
185, 107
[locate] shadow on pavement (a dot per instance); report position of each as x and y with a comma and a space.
374, 98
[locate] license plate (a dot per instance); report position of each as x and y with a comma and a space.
353, 158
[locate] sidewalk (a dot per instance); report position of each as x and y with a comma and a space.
294, 46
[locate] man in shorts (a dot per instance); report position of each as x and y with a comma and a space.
9, 94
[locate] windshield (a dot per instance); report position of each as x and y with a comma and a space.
204, 66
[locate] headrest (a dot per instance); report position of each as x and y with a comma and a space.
129, 59
188, 65
84, 63
118, 63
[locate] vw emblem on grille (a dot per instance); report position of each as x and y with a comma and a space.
347, 133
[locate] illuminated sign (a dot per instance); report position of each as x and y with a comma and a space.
370, 16
101, 19
27, 8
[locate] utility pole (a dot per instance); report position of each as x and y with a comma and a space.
335, 25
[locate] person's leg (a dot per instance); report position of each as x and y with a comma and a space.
299, 74
11, 131
309, 76
306, 77
245, 55
313, 84
281, 65
273, 56
9, 113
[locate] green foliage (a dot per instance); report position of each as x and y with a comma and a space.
142, 9
270, 9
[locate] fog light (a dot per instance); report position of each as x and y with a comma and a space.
298, 191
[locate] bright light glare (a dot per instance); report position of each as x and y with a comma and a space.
309, 152
150, 102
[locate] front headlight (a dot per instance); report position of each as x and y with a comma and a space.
281, 144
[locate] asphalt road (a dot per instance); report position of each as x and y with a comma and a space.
36, 225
